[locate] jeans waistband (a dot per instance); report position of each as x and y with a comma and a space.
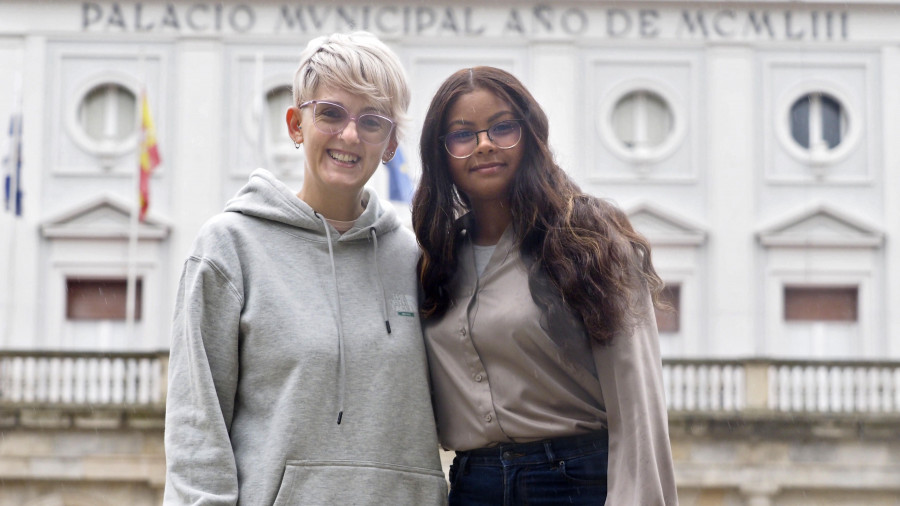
599, 439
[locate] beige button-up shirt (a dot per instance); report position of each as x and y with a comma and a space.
500, 376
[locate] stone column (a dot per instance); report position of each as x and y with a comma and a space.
733, 165
891, 129
195, 153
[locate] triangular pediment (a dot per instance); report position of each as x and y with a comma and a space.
821, 226
104, 216
665, 228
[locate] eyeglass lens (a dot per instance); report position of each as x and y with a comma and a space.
333, 118
504, 135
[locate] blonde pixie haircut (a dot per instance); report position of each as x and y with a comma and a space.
359, 63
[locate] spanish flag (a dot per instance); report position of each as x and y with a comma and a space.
149, 154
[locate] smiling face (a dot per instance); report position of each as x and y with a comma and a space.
487, 174
336, 164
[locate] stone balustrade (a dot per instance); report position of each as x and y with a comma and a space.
783, 386
76, 378
61, 378
755, 431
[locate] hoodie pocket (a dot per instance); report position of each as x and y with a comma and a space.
359, 483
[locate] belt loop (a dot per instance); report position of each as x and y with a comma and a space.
549, 451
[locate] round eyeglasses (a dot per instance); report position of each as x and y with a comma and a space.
331, 118
462, 143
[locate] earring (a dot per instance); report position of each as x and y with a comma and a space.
296, 145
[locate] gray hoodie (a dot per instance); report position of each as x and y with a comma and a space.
297, 372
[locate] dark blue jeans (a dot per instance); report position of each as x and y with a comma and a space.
567, 470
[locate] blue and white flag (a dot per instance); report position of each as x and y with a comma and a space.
400, 185
12, 167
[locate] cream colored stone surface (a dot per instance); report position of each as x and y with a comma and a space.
106, 465
737, 462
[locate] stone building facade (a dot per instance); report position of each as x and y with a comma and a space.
753, 143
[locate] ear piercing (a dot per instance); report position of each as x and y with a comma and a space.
297, 144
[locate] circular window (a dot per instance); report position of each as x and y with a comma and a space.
818, 127
104, 119
818, 122
107, 113
641, 122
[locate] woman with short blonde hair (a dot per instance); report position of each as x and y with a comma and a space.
297, 371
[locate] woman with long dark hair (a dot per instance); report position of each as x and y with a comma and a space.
538, 312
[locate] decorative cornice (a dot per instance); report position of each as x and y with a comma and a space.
835, 228
104, 216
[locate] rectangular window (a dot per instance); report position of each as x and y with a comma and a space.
100, 299
669, 320
819, 303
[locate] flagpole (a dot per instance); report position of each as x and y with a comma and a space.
15, 139
131, 287
131, 290
7, 328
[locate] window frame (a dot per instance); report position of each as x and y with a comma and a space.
108, 152
606, 110
859, 336
808, 289
818, 159
675, 311
139, 298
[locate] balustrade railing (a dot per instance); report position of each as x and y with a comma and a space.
83, 378
790, 386
837, 387
691, 385
705, 385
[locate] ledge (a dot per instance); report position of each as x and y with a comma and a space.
81, 416
775, 425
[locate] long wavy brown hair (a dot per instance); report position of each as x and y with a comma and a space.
584, 249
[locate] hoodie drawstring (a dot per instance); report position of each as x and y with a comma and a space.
340, 324
342, 374
384, 309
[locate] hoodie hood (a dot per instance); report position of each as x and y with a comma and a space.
264, 196
280, 330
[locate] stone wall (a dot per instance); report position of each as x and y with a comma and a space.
105, 457
796, 460
81, 456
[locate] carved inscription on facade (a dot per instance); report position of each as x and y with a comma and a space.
438, 21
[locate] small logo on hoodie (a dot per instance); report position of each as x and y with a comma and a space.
404, 305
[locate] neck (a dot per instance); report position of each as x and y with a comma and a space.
339, 206
491, 220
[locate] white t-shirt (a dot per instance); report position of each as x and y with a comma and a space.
482, 256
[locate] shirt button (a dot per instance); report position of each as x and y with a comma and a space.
488, 417
479, 377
